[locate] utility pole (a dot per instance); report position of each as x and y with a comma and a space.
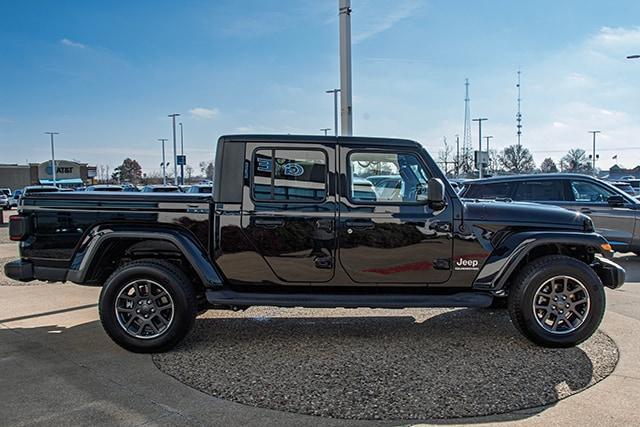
325, 130
175, 150
593, 158
344, 12
164, 163
467, 144
335, 108
519, 114
480, 120
53, 156
488, 152
457, 156
182, 154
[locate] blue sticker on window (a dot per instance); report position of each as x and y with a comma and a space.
293, 169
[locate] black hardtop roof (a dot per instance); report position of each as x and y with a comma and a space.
527, 177
320, 139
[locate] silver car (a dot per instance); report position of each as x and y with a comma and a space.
614, 213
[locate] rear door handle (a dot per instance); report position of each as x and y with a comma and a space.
360, 225
269, 222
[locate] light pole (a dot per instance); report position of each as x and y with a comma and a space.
53, 156
325, 130
457, 156
175, 151
593, 159
480, 120
182, 154
346, 104
488, 153
335, 108
164, 163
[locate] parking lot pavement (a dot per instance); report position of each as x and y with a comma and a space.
58, 367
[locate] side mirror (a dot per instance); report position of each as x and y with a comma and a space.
616, 200
436, 194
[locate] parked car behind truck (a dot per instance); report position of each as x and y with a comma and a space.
294, 221
613, 212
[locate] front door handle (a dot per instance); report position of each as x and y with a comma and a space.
269, 222
586, 210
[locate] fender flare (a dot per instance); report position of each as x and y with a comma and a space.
507, 255
195, 254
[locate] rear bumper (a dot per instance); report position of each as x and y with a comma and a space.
19, 270
24, 271
611, 274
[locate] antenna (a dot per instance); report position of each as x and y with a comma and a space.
519, 114
466, 135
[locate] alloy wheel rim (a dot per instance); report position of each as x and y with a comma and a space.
561, 305
144, 309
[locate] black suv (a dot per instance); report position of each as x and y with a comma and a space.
613, 211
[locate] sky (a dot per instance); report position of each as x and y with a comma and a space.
106, 74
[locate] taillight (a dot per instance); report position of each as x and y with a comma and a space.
18, 227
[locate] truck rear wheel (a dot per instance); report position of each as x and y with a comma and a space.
147, 306
557, 301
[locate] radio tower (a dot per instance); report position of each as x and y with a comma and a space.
519, 115
467, 157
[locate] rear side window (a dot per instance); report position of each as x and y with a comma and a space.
497, 190
289, 175
540, 191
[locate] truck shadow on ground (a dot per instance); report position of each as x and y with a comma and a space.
447, 365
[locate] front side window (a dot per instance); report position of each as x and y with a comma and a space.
387, 178
289, 175
540, 191
584, 191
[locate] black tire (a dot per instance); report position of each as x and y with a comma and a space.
164, 276
527, 284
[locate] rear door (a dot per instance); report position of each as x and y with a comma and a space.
289, 215
388, 234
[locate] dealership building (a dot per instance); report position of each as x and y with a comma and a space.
68, 174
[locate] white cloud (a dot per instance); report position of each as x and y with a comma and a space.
71, 43
619, 36
204, 113
384, 20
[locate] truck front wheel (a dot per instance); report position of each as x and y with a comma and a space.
147, 306
557, 301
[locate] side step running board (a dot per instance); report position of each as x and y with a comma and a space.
229, 297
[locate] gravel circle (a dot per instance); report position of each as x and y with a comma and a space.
413, 364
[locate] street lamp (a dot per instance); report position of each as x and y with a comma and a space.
325, 130
335, 108
181, 154
175, 151
480, 120
53, 156
164, 163
593, 159
488, 153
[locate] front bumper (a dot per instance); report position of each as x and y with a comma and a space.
611, 274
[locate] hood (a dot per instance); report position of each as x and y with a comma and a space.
523, 213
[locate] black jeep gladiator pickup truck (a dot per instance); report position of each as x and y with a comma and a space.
315, 222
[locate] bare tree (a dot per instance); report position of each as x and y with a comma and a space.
445, 157
548, 166
516, 159
576, 161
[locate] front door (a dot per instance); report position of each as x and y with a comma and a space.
289, 215
387, 232
616, 224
